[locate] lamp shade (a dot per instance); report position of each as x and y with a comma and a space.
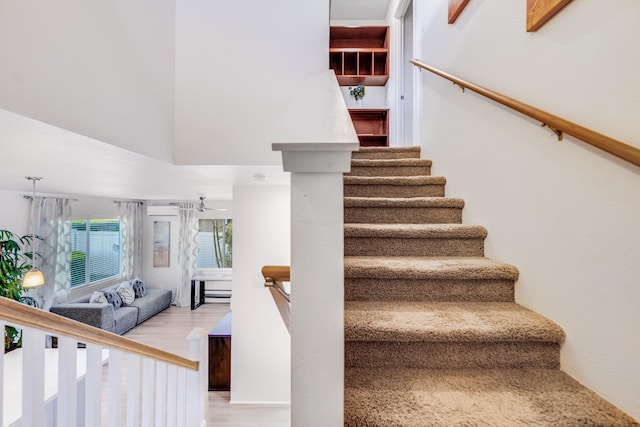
33, 279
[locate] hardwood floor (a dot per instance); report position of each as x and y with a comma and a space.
168, 331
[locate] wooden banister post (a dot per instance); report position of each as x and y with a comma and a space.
317, 280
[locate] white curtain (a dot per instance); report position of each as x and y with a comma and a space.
131, 239
187, 253
52, 245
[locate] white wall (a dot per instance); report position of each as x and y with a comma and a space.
14, 215
93, 207
16, 209
374, 97
238, 65
261, 346
100, 69
564, 213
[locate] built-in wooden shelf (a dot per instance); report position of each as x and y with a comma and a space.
359, 55
372, 126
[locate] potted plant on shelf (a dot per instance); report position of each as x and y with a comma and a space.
14, 263
358, 93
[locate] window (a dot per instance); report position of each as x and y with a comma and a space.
214, 243
95, 250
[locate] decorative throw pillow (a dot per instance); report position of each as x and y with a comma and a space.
98, 297
138, 287
126, 292
113, 298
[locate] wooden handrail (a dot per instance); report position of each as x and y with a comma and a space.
557, 124
274, 275
23, 315
277, 273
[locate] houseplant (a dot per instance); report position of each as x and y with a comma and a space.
14, 263
357, 92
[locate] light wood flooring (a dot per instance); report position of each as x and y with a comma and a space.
168, 331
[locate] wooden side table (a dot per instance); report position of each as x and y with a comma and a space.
220, 355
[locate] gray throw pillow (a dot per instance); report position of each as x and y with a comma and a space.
138, 287
113, 298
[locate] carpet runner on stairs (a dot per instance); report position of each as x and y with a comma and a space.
433, 336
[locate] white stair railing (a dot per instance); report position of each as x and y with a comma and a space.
63, 386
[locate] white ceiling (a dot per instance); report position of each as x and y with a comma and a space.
359, 9
73, 164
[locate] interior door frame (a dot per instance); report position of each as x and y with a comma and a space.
400, 11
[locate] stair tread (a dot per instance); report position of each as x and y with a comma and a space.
404, 202
473, 397
466, 268
402, 321
416, 231
391, 162
395, 180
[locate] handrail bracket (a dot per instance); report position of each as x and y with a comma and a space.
459, 85
555, 130
270, 283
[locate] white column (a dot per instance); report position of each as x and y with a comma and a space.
199, 380
317, 280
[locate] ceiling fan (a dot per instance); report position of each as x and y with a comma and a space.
202, 207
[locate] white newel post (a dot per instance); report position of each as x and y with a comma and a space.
198, 380
317, 280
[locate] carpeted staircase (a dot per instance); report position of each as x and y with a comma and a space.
433, 335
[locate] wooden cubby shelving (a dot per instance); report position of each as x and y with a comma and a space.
360, 55
372, 126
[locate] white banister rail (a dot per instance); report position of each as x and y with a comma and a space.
63, 386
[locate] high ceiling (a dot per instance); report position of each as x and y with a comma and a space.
76, 165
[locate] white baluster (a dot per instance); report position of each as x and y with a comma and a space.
193, 398
93, 384
147, 392
133, 390
182, 397
172, 395
2, 326
32, 377
116, 374
67, 383
161, 393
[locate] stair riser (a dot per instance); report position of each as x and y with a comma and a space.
390, 171
453, 355
375, 289
392, 215
394, 191
374, 246
385, 155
